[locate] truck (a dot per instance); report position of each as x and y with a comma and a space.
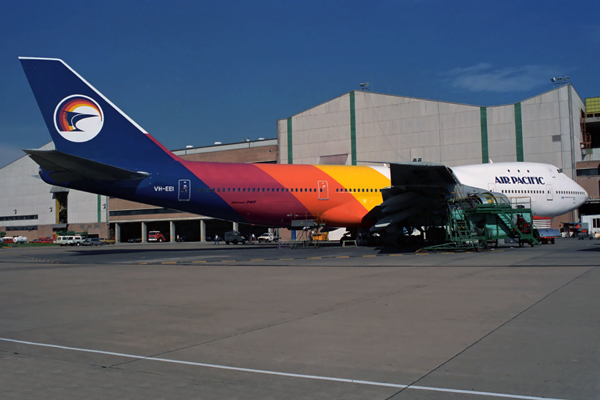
234, 237
156, 236
19, 239
268, 237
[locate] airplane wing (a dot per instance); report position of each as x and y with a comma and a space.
64, 167
416, 197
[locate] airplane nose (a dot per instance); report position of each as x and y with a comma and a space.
583, 198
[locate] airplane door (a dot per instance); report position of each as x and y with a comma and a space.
549, 196
184, 189
323, 190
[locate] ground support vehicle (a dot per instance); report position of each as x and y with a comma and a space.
547, 235
234, 237
156, 236
268, 237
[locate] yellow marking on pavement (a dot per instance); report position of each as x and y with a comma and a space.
343, 257
169, 262
257, 259
201, 261
143, 263
370, 255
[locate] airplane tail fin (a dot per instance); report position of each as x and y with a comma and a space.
84, 123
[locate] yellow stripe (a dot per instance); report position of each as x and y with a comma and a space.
370, 255
353, 177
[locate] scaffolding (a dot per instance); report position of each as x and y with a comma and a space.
473, 224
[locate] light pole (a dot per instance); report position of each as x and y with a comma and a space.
559, 80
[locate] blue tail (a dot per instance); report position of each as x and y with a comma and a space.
84, 123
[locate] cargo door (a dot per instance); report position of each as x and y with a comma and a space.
184, 190
323, 188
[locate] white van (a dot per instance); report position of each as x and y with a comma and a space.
62, 240
76, 240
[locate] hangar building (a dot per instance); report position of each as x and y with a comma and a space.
29, 207
362, 127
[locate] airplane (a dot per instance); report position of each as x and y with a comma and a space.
99, 149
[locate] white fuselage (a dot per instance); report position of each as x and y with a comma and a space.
549, 191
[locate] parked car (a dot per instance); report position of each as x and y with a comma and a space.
42, 240
156, 236
234, 237
268, 237
93, 242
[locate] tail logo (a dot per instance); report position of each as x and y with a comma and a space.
78, 118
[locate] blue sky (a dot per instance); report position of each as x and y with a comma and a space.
196, 72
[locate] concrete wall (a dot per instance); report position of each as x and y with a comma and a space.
25, 192
385, 128
21, 189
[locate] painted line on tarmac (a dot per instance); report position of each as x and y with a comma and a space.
280, 259
39, 259
286, 374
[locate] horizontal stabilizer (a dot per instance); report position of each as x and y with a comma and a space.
64, 167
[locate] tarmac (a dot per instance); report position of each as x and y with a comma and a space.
204, 321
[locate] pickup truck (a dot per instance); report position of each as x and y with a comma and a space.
268, 237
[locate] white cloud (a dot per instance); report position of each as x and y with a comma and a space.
483, 77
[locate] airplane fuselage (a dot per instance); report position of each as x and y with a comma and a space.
275, 194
